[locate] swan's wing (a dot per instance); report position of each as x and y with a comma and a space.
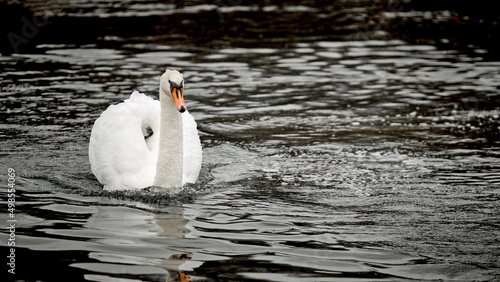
192, 149
120, 156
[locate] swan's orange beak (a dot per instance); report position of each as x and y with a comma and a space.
178, 96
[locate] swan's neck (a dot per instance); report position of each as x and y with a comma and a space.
169, 167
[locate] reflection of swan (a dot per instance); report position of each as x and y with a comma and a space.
173, 266
145, 239
142, 142
174, 226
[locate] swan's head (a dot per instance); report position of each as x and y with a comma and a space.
172, 83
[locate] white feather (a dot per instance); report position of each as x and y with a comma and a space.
121, 158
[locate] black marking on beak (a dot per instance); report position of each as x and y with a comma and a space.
174, 85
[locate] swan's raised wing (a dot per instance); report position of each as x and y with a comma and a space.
192, 149
120, 156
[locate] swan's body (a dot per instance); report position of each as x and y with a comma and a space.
124, 155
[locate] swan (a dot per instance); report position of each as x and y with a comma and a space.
143, 142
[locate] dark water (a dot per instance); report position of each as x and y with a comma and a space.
333, 150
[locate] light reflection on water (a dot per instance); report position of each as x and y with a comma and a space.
349, 160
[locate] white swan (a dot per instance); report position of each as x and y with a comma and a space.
144, 142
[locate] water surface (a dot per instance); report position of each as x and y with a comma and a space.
324, 159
